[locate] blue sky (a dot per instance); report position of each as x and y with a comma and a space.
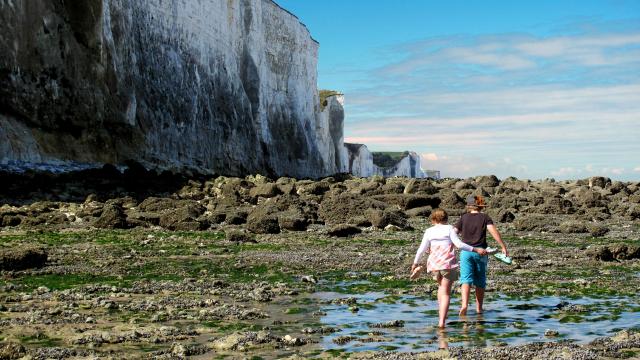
532, 89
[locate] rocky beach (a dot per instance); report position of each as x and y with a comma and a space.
134, 224
100, 263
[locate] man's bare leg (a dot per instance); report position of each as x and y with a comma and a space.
479, 299
465, 290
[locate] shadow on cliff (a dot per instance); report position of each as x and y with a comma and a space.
104, 183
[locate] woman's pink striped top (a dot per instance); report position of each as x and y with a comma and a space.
439, 241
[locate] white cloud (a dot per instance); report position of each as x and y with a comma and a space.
434, 157
510, 52
566, 171
613, 171
566, 106
461, 166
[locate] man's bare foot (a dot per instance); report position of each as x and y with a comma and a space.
463, 311
441, 325
479, 311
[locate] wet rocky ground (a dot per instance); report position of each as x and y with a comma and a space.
104, 264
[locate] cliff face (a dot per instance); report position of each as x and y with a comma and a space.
214, 86
360, 163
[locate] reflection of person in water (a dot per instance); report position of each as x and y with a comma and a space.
443, 341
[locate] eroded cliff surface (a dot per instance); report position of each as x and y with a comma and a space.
224, 86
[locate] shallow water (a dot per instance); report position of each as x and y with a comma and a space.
505, 321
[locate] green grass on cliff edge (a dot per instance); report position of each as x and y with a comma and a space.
324, 94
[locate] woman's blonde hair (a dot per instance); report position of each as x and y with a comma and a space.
439, 216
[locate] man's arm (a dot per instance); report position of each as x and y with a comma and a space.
496, 235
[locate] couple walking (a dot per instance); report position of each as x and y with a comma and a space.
439, 241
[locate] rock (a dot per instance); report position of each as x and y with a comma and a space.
267, 190
293, 222
236, 217
450, 200
179, 350
599, 181
240, 341
314, 188
112, 217
239, 237
10, 220
310, 279
423, 211
392, 228
263, 224
341, 340
289, 340
573, 227
614, 252
634, 212
487, 181
534, 222
184, 218
388, 324
551, 333
343, 230
11, 351
381, 219
22, 258
597, 230
340, 209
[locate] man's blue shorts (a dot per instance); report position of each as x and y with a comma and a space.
473, 269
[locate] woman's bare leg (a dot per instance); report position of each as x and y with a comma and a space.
444, 297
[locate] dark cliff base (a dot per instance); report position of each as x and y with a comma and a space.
103, 183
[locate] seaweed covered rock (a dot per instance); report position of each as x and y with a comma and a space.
186, 218
573, 227
261, 223
22, 258
343, 230
342, 208
112, 217
535, 222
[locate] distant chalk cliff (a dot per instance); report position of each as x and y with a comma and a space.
361, 162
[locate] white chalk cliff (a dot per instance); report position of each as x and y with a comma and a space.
219, 86
360, 163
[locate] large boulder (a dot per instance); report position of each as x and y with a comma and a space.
342, 208
423, 211
599, 181
488, 181
408, 201
22, 258
382, 218
267, 190
186, 218
343, 230
261, 223
573, 227
535, 222
112, 217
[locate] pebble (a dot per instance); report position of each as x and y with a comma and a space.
551, 333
